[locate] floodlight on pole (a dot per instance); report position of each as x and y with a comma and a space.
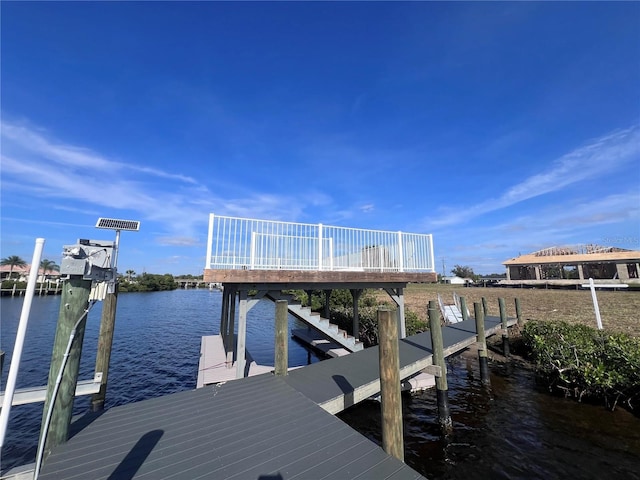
117, 225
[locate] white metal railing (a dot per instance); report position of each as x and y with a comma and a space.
249, 244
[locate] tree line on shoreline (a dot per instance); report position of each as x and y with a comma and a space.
127, 282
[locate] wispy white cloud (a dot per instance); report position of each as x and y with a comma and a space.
606, 221
41, 168
32, 141
599, 157
369, 207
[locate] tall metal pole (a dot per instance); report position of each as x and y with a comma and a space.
20, 336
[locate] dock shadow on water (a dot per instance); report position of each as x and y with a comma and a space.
511, 430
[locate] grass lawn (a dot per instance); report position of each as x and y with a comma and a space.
619, 310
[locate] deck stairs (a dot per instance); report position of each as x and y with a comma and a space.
452, 313
321, 324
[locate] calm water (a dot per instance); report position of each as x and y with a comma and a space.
508, 431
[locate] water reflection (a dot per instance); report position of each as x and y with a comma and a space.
510, 430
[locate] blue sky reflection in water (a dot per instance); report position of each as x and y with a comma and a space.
156, 349
513, 431
501, 128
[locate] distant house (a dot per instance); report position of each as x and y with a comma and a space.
455, 280
21, 273
572, 265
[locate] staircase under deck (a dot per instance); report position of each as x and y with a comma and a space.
271, 284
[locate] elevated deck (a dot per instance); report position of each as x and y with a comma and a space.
300, 279
265, 426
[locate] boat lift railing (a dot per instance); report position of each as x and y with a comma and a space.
249, 244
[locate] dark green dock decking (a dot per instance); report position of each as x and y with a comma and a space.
262, 427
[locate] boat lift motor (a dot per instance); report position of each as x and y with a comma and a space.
89, 258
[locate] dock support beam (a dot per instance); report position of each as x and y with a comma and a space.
242, 335
327, 304
464, 309
282, 338
227, 321
397, 296
224, 323
392, 436
355, 294
518, 312
105, 342
73, 316
505, 330
442, 391
482, 343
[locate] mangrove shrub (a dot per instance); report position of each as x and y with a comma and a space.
584, 362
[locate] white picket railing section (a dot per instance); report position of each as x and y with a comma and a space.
241, 243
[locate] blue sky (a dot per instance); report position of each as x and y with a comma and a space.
500, 128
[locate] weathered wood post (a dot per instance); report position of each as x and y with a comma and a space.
485, 309
105, 342
282, 338
505, 328
73, 316
518, 312
482, 343
309, 293
327, 298
392, 439
224, 324
442, 389
355, 294
463, 307
231, 324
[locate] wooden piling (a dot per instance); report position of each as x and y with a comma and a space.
105, 342
309, 294
518, 312
463, 307
327, 303
282, 338
482, 343
505, 328
355, 294
73, 312
442, 390
485, 309
392, 439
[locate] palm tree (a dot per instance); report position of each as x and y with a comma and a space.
130, 273
49, 266
13, 261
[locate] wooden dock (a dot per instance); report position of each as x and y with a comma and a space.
264, 427
213, 367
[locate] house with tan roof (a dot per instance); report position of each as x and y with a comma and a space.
573, 265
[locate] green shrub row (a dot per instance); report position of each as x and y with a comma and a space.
584, 362
148, 282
